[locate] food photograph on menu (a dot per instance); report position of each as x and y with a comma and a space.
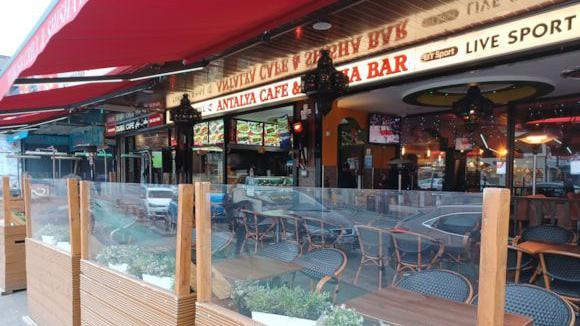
272, 135
200, 134
384, 129
249, 132
216, 132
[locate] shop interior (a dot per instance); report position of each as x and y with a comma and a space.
452, 133
256, 148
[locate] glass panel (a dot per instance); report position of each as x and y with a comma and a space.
442, 152
342, 256
49, 212
133, 228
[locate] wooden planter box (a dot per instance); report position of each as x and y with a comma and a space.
12, 258
111, 298
12, 247
211, 314
53, 285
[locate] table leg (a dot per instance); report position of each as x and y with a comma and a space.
518, 266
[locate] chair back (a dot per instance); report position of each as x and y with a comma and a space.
438, 283
283, 251
544, 307
323, 262
374, 242
561, 265
415, 248
548, 234
291, 229
320, 233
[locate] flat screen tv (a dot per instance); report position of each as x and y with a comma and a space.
384, 129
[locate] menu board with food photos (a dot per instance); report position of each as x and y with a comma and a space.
272, 134
249, 132
216, 132
200, 134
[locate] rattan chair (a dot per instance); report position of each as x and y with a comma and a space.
321, 233
548, 234
257, 227
283, 251
518, 261
376, 247
324, 265
561, 271
544, 307
438, 283
415, 251
291, 229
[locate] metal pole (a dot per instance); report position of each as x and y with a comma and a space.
534, 174
106, 171
53, 166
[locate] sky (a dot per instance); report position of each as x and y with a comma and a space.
17, 19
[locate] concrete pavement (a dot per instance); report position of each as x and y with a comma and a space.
12, 308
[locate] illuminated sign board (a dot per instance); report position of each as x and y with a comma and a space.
543, 29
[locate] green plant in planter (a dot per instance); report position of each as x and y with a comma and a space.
239, 292
340, 316
159, 265
60, 232
118, 254
291, 302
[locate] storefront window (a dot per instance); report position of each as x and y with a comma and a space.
547, 133
452, 155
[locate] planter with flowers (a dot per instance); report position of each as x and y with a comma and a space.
291, 306
160, 271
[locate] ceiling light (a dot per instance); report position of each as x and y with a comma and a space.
322, 26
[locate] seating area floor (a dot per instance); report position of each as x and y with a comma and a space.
13, 308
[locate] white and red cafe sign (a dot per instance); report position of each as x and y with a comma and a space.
543, 29
114, 127
440, 20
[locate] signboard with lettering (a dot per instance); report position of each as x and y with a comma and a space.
548, 28
113, 128
443, 19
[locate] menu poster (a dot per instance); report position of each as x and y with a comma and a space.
284, 132
216, 132
271, 134
384, 129
200, 134
249, 132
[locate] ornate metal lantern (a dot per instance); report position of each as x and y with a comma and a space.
325, 83
185, 114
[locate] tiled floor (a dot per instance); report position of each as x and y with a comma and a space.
13, 308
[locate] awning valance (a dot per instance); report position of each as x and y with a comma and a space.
80, 35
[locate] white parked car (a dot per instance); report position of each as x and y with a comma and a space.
157, 201
435, 183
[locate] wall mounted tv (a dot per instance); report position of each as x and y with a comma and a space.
384, 129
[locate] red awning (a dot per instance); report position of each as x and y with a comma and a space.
61, 97
67, 97
88, 34
30, 118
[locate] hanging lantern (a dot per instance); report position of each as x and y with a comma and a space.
185, 114
325, 83
473, 107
